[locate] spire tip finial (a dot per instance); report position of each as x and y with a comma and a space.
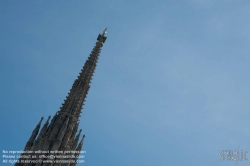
105, 31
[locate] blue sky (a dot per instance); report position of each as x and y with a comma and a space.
171, 86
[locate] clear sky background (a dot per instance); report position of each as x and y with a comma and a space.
172, 85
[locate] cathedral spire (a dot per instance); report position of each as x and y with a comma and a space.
78, 93
60, 133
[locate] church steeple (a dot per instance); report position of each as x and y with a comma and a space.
60, 133
78, 93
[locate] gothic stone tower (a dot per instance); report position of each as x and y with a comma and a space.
61, 133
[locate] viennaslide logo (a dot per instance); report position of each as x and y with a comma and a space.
233, 155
